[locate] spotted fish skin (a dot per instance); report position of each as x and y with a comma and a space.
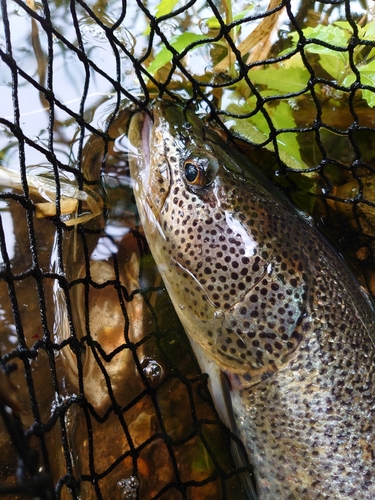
268, 302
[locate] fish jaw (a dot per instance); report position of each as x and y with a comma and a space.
150, 185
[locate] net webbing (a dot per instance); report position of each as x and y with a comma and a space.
100, 394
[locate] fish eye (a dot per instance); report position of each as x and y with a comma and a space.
194, 173
200, 172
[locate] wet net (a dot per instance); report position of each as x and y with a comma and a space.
100, 394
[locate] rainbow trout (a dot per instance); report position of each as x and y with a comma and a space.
265, 301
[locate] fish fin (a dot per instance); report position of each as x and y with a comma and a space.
238, 452
219, 386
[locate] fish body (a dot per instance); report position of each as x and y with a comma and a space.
266, 301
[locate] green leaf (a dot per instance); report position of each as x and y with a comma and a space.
367, 68
281, 80
165, 7
257, 131
371, 54
179, 42
367, 72
348, 80
368, 78
345, 25
213, 23
162, 9
336, 64
329, 34
368, 31
281, 116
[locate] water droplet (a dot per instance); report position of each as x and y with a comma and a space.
128, 488
168, 27
152, 370
68, 421
203, 26
293, 104
20, 11
58, 400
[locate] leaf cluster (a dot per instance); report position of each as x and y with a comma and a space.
331, 61
339, 54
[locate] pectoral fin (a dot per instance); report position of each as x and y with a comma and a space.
219, 386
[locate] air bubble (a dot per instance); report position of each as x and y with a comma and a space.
94, 31
128, 488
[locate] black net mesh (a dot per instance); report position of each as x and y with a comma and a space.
100, 394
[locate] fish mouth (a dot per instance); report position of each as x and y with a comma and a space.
139, 148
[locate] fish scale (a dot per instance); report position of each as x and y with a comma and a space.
266, 301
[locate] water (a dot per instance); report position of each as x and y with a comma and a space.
119, 402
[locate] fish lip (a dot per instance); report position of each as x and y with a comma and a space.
145, 137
